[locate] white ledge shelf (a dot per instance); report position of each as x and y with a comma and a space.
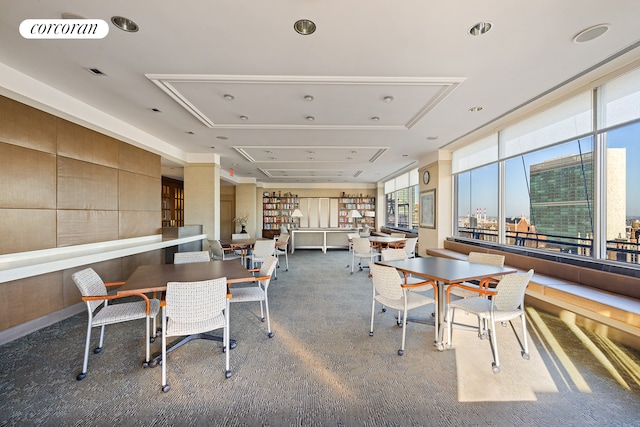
34, 263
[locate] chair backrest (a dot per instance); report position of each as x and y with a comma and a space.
386, 281
264, 248
266, 269
189, 257
510, 291
240, 236
410, 246
394, 254
216, 248
283, 230
283, 238
361, 245
487, 259
190, 303
401, 235
89, 284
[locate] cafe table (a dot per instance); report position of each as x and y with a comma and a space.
444, 272
154, 278
384, 241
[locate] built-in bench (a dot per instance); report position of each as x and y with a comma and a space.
602, 301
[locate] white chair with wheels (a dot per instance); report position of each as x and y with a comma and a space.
362, 250
389, 291
257, 291
94, 294
506, 304
281, 248
261, 250
241, 236
218, 252
410, 247
193, 308
189, 257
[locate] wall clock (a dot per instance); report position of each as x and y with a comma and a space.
426, 177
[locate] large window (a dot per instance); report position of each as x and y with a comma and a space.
563, 180
402, 201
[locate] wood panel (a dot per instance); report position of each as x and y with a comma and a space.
83, 185
18, 126
139, 223
28, 178
139, 192
28, 299
79, 227
137, 160
25, 230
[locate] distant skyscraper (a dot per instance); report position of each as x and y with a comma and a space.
562, 195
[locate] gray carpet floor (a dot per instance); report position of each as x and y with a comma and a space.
322, 368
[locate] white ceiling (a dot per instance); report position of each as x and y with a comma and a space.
188, 55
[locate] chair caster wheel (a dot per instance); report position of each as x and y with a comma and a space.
262, 319
440, 347
97, 350
351, 273
153, 363
371, 333
384, 310
525, 356
271, 335
227, 374
400, 352
504, 324
496, 368
166, 388
233, 345
447, 346
152, 340
81, 376
145, 365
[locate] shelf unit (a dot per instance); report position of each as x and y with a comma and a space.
365, 205
276, 211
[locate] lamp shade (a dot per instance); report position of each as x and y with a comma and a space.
297, 214
354, 214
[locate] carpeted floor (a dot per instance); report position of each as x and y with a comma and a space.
322, 368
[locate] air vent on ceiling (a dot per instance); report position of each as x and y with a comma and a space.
96, 71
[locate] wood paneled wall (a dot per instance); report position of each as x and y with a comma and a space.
63, 185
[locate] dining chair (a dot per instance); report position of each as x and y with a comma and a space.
193, 308
350, 237
281, 248
101, 313
410, 246
389, 291
189, 257
506, 304
219, 252
241, 236
362, 250
474, 288
397, 245
261, 250
257, 291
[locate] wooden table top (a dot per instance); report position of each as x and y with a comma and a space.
446, 270
154, 278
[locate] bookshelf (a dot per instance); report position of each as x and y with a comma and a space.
276, 211
365, 205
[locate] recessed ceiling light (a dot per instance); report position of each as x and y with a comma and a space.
308, 98
310, 158
213, 148
189, 132
221, 137
244, 118
480, 28
125, 24
310, 118
96, 72
229, 97
155, 110
71, 15
432, 138
311, 152
591, 33
475, 109
304, 27
375, 118
405, 155
387, 98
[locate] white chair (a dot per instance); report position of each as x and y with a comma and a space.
389, 291
395, 255
258, 290
241, 236
362, 250
410, 246
189, 257
473, 289
261, 250
94, 293
193, 308
282, 248
218, 252
350, 237
506, 304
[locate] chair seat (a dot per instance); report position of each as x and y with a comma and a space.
115, 313
481, 307
247, 294
175, 328
414, 300
465, 293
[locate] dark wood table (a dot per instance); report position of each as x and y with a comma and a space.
154, 278
444, 271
